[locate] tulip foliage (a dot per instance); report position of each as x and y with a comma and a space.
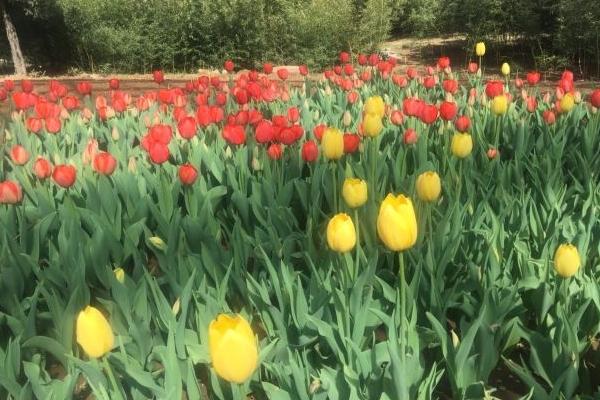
370, 235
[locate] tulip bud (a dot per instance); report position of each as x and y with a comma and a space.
347, 119
94, 333
397, 223
480, 49
410, 136
228, 153
158, 243
256, 164
566, 260
354, 192
429, 186
492, 153
462, 144
132, 165
115, 134
119, 274
341, 234
233, 348
455, 339
505, 69
332, 143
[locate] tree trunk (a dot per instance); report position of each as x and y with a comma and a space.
13, 40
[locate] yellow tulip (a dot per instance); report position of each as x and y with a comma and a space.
119, 274
233, 348
567, 102
333, 144
354, 192
462, 144
397, 223
505, 69
341, 235
93, 332
158, 243
480, 49
566, 260
372, 125
429, 186
375, 105
500, 105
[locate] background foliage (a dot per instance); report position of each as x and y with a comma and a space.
136, 36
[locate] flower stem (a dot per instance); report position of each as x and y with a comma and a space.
357, 242
111, 376
334, 186
403, 335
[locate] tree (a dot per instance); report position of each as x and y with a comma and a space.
13, 40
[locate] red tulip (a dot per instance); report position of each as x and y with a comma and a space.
282, 73
410, 136
337, 70
363, 59
104, 163
448, 110
234, 134
443, 62
23, 100
352, 97
267, 68
19, 154
229, 66
567, 75
348, 69
26, 86
566, 85
450, 86
310, 151
187, 127
303, 69
429, 82
70, 102
533, 78
396, 117
412, 73
113, 84
519, 83
158, 76
319, 130
399, 80
531, 104
595, 98
263, 132
351, 143
10, 192
412, 107
3, 94
159, 153
373, 59
429, 114
274, 151
188, 174
52, 124
492, 153
494, 88
33, 124
429, 70
8, 85
83, 88
42, 168
462, 123
293, 114
344, 57
549, 117
64, 175
473, 67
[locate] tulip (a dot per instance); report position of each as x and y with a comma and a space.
397, 223
119, 274
566, 260
64, 175
372, 124
505, 69
94, 334
10, 192
480, 49
567, 103
229, 66
158, 76
310, 151
492, 153
104, 163
499, 105
354, 192
429, 186
42, 168
187, 127
19, 155
274, 151
233, 348
448, 110
462, 123
595, 98
351, 143
188, 174
332, 143
410, 136
375, 105
341, 234
462, 144
533, 78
